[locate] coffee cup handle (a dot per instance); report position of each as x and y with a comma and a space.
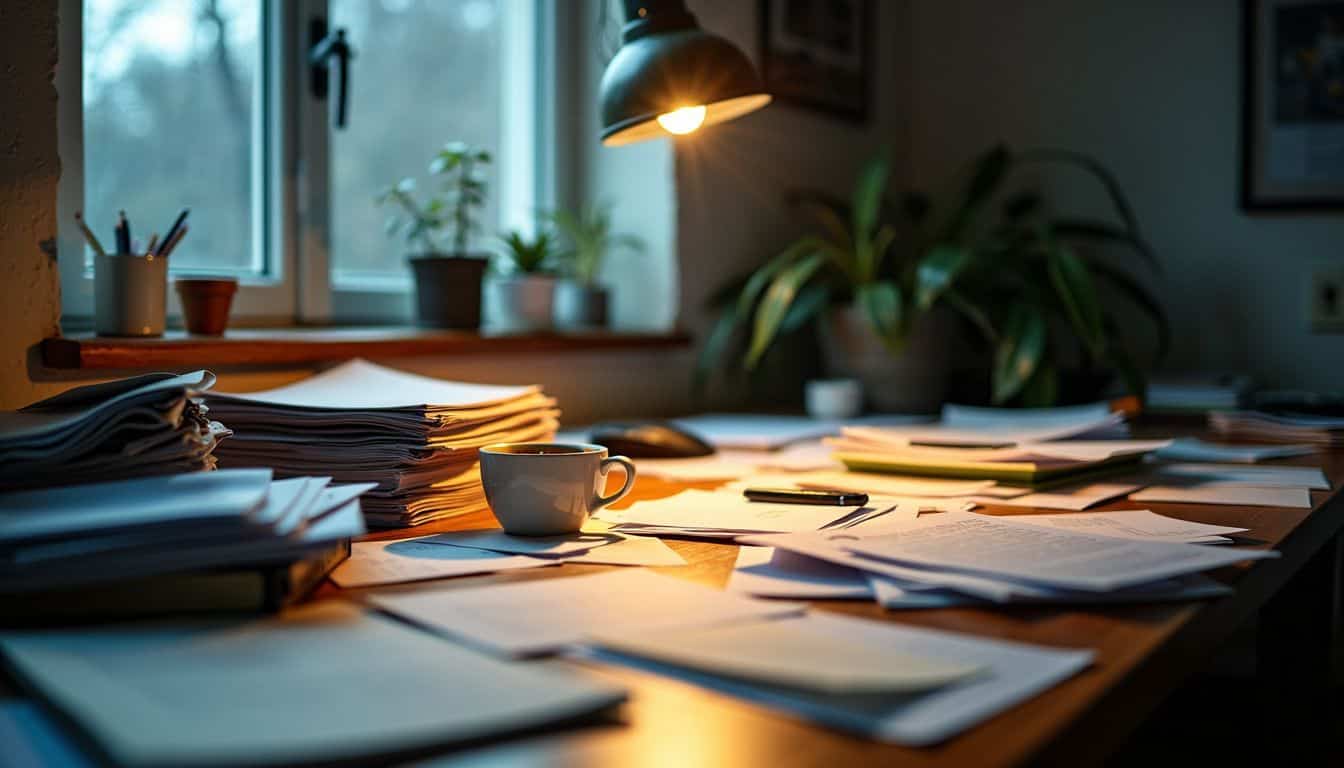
629, 467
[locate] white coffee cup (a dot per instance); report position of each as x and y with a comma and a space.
548, 489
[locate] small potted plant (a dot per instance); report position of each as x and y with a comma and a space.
447, 282
580, 301
520, 296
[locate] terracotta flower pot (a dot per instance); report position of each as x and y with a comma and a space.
205, 303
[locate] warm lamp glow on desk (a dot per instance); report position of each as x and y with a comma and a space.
672, 77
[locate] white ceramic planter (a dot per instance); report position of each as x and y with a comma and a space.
580, 305
518, 304
914, 381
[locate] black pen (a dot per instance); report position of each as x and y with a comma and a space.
807, 496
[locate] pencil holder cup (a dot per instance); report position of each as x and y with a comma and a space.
130, 293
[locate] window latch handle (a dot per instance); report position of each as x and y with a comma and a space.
331, 52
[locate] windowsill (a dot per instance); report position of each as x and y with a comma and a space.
274, 346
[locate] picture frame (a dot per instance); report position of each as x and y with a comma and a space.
819, 54
1292, 105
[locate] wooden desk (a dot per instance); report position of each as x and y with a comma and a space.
1143, 653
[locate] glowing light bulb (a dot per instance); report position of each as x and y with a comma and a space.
682, 121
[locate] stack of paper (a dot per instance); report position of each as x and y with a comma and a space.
416, 437
1256, 425
465, 553
102, 532
146, 425
1071, 558
1028, 446
727, 515
327, 683
1193, 449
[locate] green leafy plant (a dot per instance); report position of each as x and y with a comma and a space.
590, 241
530, 257
1027, 279
448, 218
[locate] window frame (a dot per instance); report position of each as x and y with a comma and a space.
292, 159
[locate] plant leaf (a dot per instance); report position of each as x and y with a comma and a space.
882, 303
1097, 231
712, 350
1139, 295
937, 271
775, 304
989, 171
1020, 350
828, 215
1102, 174
762, 277
1135, 382
1022, 205
868, 194
972, 313
1073, 284
1042, 389
810, 302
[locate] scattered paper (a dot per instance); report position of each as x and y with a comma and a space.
1193, 449
326, 682
390, 562
586, 548
1233, 494
793, 654
767, 432
1139, 524
725, 512
1014, 672
1065, 497
890, 485
32, 740
770, 572
735, 464
997, 589
542, 616
1267, 477
998, 547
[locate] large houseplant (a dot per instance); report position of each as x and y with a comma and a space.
521, 296
438, 232
580, 301
1025, 278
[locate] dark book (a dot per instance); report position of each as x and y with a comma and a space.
259, 589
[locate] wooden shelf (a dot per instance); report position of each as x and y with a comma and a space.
273, 346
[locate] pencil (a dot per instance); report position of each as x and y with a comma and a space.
89, 236
123, 233
171, 244
153, 240
172, 231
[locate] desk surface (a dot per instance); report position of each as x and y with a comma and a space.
1143, 653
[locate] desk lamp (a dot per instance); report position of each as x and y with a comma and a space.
671, 76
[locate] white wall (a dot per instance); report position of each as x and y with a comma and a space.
1152, 89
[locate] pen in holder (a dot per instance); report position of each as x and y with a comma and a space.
130, 292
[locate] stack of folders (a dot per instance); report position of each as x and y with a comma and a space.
222, 540
1013, 446
414, 436
146, 425
1256, 425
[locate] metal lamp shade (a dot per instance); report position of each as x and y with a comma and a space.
666, 63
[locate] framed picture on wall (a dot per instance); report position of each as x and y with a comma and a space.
818, 53
1292, 141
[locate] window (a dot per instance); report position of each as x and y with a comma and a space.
210, 104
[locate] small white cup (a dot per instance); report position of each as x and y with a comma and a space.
834, 398
548, 489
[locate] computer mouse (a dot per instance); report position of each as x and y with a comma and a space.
650, 440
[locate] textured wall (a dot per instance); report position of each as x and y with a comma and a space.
29, 169
1153, 90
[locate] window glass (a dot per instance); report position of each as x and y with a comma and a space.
171, 121
425, 72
